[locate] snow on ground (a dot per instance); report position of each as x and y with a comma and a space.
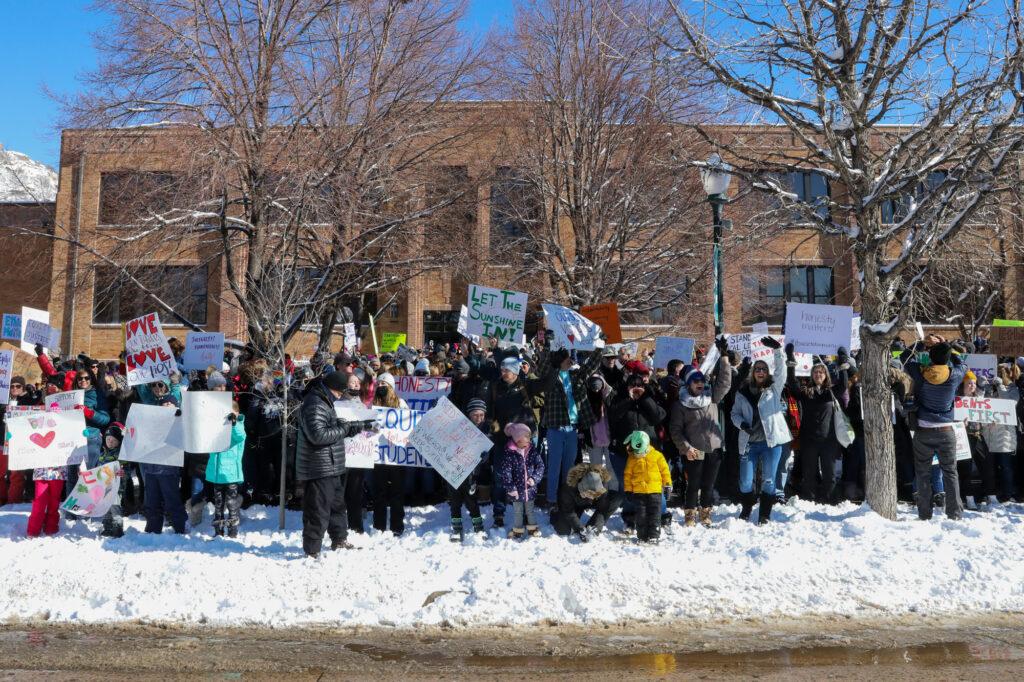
812, 561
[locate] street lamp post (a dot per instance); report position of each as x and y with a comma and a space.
715, 177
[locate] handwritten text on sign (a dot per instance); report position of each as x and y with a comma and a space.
422, 393
147, 353
496, 312
818, 329
985, 410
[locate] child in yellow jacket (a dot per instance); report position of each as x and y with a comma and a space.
646, 479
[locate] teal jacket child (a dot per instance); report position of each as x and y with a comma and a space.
226, 467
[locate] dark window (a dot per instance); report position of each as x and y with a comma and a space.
393, 310
127, 198
765, 293
810, 187
117, 299
895, 209
515, 206
441, 326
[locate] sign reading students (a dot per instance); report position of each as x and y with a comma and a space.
147, 354
497, 313
818, 329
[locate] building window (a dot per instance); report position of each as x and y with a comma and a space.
810, 187
515, 206
393, 310
117, 299
895, 209
766, 292
441, 326
126, 198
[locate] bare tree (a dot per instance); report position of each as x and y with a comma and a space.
836, 76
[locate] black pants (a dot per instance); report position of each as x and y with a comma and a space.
354, 498
986, 468
818, 455
323, 509
389, 496
163, 496
700, 479
460, 496
647, 515
227, 501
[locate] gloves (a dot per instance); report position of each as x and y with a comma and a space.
667, 490
842, 356
790, 352
769, 342
745, 427
177, 412
722, 344
370, 425
87, 411
233, 418
38, 349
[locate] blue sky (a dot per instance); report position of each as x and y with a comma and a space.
48, 43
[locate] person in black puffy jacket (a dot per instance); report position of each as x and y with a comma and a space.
320, 465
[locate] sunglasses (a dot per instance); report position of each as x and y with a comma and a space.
83, 379
17, 386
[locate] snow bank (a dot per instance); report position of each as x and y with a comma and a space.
813, 561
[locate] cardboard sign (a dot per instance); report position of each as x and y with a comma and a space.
854, 333
46, 439
351, 341
498, 313
1006, 340
450, 442
818, 329
390, 341
153, 435
96, 491
668, 348
38, 332
710, 361
11, 327
606, 316
147, 353
203, 349
6, 372
982, 364
572, 330
985, 410
65, 401
205, 423
422, 393
28, 314
463, 326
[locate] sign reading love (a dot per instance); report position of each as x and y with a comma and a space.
148, 356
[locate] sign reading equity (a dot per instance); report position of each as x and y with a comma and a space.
147, 354
818, 329
496, 312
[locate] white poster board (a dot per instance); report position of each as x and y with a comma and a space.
854, 333
353, 411
668, 348
6, 372
203, 349
710, 361
983, 365
497, 313
148, 356
66, 400
32, 314
361, 451
985, 410
450, 442
46, 439
572, 330
95, 492
153, 435
818, 329
463, 326
963, 444
205, 421
351, 341
422, 393
38, 332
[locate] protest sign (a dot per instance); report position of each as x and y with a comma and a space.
710, 361
205, 421
854, 333
390, 341
353, 411
983, 365
38, 332
203, 349
147, 354
572, 330
96, 491
153, 435
12, 410
963, 445
46, 439
395, 426
498, 313
28, 314
818, 329
6, 372
351, 340
1006, 340
450, 442
66, 400
422, 393
760, 328
668, 348
804, 364
606, 316
361, 450
11, 327
749, 345
1007, 323
985, 410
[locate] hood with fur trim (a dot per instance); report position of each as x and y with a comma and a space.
577, 473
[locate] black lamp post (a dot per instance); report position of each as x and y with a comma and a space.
715, 177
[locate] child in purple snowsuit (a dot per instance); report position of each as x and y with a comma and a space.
521, 469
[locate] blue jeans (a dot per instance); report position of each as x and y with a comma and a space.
562, 445
768, 458
198, 484
782, 471
936, 481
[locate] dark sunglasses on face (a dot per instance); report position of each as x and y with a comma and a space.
17, 386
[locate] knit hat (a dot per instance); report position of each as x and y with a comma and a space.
939, 353
595, 383
115, 429
476, 405
336, 381
460, 368
692, 374
387, 378
513, 365
422, 366
591, 483
637, 367
970, 376
18, 379
515, 430
639, 442
216, 380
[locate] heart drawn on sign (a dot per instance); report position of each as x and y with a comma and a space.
96, 494
43, 441
571, 337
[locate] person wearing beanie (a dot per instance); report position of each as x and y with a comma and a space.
216, 382
224, 476
585, 488
521, 469
935, 387
465, 494
759, 412
422, 368
647, 481
113, 520
819, 441
694, 427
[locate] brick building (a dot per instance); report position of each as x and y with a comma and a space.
28, 260
89, 303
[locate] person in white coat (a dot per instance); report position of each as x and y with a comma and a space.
1001, 439
759, 413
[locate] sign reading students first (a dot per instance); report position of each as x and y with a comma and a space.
497, 313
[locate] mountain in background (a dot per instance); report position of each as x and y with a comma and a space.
22, 179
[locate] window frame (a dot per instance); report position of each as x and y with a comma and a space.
118, 285
772, 308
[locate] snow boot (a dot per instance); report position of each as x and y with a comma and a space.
970, 503
764, 512
705, 517
499, 521
195, 513
666, 522
457, 535
517, 534
478, 524
533, 531
938, 500
992, 501
342, 544
747, 502
690, 518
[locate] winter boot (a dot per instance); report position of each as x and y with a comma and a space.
478, 524
499, 521
992, 501
533, 531
747, 502
690, 518
666, 522
342, 544
705, 517
517, 534
764, 512
938, 501
457, 534
233, 529
195, 513
970, 503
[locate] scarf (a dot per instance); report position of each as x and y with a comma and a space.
695, 402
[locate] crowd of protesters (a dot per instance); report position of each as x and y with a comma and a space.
577, 438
